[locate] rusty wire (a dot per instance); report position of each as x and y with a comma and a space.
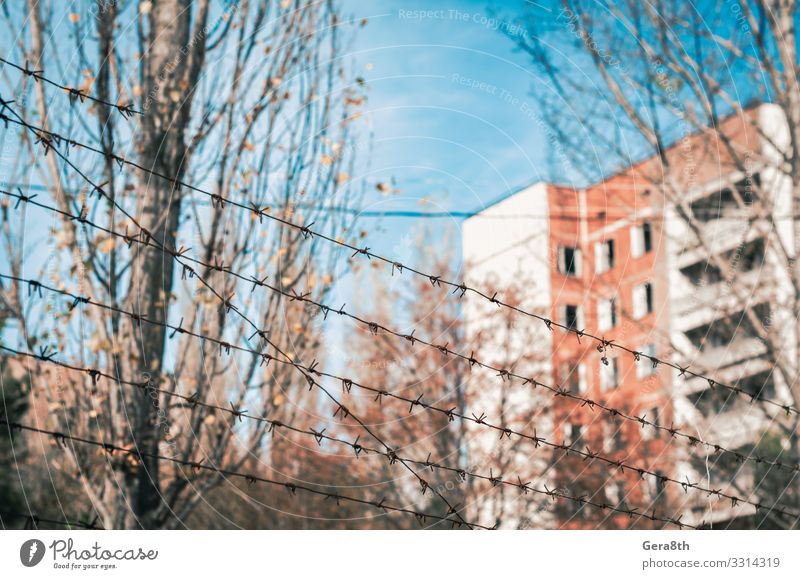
49, 139
558, 390
110, 448
33, 520
586, 454
126, 110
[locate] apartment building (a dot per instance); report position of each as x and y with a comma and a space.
642, 264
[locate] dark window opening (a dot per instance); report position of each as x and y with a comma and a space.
571, 316
570, 376
569, 261
647, 237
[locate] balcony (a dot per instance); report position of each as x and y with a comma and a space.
736, 351
719, 236
697, 304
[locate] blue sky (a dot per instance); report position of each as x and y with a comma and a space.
449, 104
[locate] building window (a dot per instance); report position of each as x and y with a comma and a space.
645, 366
569, 261
570, 316
573, 433
573, 378
656, 485
653, 417
606, 314
642, 300
615, 493
641, 239
604, 255
609, 373
613, 438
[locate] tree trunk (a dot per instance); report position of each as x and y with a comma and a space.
167, 83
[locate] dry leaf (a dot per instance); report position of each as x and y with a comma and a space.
107, 245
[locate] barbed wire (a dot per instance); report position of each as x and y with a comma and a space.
451, 414
110, 448
225, 302
435, 280
557, 391
460, 288
32, 521
126, 110
357, 447
260, 332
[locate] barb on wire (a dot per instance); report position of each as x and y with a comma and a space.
49, 138
126, 110
46, 138
227, 303
32, 521
463, 474
480, 420
504, 374
249, 477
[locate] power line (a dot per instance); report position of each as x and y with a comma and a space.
601, 215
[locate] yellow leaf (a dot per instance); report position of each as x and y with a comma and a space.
107, 245
74, 17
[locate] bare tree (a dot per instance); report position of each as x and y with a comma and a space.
671, 90
246, 100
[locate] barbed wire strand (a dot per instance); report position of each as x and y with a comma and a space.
587, 454
32, 521
435, 280
557, 391
126, 110
227, 303
356, 446
110, 449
